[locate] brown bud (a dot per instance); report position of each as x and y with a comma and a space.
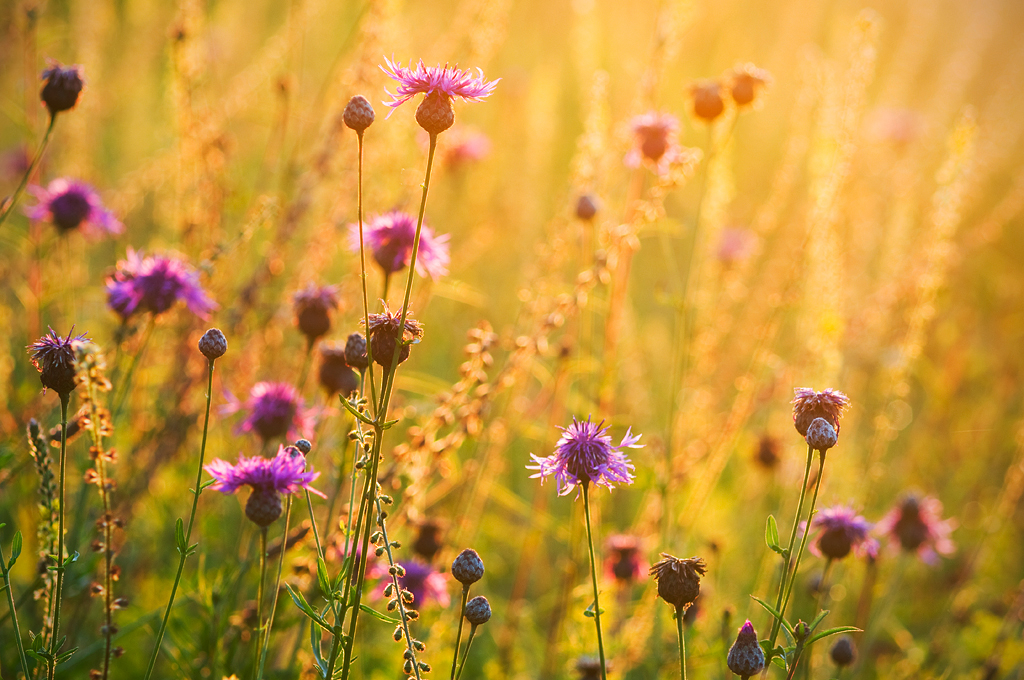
435, 113
358, 113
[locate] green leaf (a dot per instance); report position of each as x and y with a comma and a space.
780, 662
832, 631
314, 642
300, 602
206, 485
15, 549
179, 536
775, 613
352, 409
377, 615
66, 655
589, 612
322, 578
817, 620
771, 535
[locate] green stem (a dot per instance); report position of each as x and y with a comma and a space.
803, 540
183, 555
593, 577
462, 619
277, 586
362, 271
9, 208
64, 401
469, 643
682, 643
14, 613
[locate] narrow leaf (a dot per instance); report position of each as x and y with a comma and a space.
775, 613
322, 578
377, 615
15, 549
817, 620
179, 536
832, 631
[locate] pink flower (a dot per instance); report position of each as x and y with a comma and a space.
586, 454
390, 238
274, 410
842, 529
451, 82
656, 144
917, 525
69, 204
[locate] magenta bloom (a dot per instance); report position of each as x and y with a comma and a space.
274, 409
624, 562
69, 204
451, 82
808, 405
422, 580
585, 454
390, 238
54, 358
656, 142
313, 306
842, 530
154, 284
917, 525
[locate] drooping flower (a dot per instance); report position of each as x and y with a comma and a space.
54, 358
656, 142
678, 579
746, 658
422, 580
274, 409
61, 87
70, 204
449, 81
386, 334
916, 524
624, 562
313, 305
808, 405
585, 454
154, 284
842, 530
390, 237
268, 477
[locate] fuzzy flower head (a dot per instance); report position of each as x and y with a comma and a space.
706, 102
274, 409
746, 658
656, 144
154, 284
54, 358
916, 524
387, 334
313, 305
422, 580
829, 404
444, 80
336, 376
390, 237
678, 579
586, 454
69, 204
61, 87
624, 562
842, 530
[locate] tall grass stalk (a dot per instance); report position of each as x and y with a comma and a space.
9, 208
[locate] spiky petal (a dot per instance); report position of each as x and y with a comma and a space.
585, 454
450, 81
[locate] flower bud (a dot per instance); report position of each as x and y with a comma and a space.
746, 658
468, 568
843, 652
358, 114
586, 207
355, 351
478, 610
821, 436
213, 344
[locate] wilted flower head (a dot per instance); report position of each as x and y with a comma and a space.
336, 376
153, 284
274, 409
61, 87
706, 100
390, 237
422, 580
746, 658
746, 82
586, 454
678, 579
624, 561
917, 525
842, 530
448, 81
386, 333
268, 477
313, 305
54, 358
808, 405
69, 204
656, 143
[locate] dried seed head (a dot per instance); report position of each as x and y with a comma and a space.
678, 579
358, 113
468, 568
821, 436
586, 207
355, 351
843, 652
263, 506
478, 610
435, 114
746, 658
61, 87
213, 344
808, 405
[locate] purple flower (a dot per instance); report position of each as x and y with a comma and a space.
154, 284
274, 409
916, 524
70, 204
61, 87
390, 238
585, 454
313, 305
422, 580
54, 358
842, 529
656, 142
808, 405
624, 562
451, 82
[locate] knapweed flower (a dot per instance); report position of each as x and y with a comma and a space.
440, 84
61, 87
624, 562
842, 530
656, 142
463, 145
313, 305
268, 477
428, 540
468, 567
422, 580
336, 376
678, 579
917, 525
390, 238
386, 334
478, 611
54, 358
585, 454
69, 204
808, 405
154, 284
746, 658
274, 409
843, 652
746, 82
706, 100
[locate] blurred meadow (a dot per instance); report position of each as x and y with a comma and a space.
856, 226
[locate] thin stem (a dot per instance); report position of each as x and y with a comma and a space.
593, 577
277, 586
362, 270
9, 208
462, 619
127, 385
803, 540
682, 643
184, 551
469, 643
14, 613
259, 592
64, 400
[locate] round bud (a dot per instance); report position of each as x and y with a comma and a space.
435, 113
821, 436
586, 207
263, 507
355, 351
61, 88
304, 445
707, 100
746, 658
213, 344
843, 652
468, 568
478, 610
358, 113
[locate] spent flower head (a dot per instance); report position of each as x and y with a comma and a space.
585, 454
842, 530
916, 525
391, 236
69, 204
54, 358
274, 409
829, 404
154, 284
678, 579
386, 334
61, 87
